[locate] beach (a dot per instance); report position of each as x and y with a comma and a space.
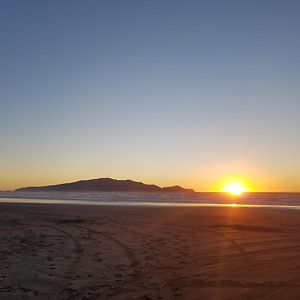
58, 251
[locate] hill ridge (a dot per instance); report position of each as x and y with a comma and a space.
105, 185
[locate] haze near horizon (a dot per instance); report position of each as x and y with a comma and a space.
189, 93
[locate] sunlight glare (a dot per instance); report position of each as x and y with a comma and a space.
234, 188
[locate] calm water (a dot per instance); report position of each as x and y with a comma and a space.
197, 199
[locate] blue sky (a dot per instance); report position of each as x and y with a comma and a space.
169, 92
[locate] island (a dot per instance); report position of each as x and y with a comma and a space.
106, 185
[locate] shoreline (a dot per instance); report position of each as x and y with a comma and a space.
13, 200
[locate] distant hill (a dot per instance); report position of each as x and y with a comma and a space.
106, 185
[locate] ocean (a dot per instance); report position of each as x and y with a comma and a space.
197, 199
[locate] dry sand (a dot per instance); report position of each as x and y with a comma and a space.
93, 252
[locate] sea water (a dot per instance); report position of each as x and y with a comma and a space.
137, 198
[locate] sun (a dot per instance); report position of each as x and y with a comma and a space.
234, 188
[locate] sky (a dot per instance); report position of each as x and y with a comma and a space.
165, 92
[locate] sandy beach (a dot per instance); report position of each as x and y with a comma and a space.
93, 252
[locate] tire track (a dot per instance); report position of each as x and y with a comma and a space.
135, 264
77, 252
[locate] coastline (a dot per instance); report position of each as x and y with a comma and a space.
140, 204
275, 199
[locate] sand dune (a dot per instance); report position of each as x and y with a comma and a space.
81, 252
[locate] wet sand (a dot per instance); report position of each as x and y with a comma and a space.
103, 252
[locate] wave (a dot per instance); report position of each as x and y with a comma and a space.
288, 199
